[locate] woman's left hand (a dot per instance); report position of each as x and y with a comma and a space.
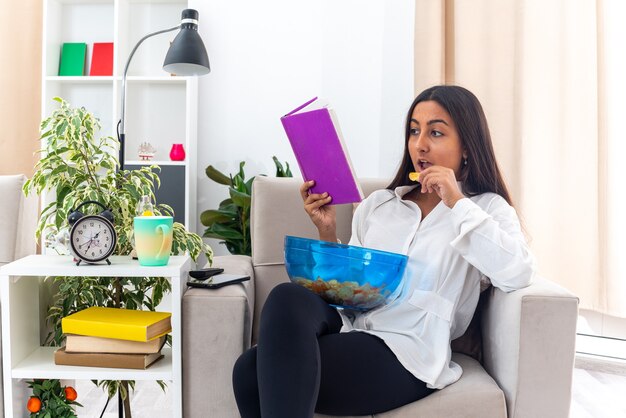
441, 180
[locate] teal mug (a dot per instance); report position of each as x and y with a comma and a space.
153, 239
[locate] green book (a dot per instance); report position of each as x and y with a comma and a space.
73, 59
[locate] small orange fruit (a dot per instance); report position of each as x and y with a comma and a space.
34, 404
70, 393
414, 176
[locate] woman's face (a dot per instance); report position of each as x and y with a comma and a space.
433, 138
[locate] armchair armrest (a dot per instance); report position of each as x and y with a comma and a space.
217, 327
529, 345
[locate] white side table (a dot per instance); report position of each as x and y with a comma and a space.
24, 358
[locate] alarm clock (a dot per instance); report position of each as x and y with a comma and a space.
92, 237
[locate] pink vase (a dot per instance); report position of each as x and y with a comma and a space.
177, 153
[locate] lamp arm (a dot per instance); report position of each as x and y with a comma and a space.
130, 57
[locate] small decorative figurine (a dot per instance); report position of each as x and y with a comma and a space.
146, 151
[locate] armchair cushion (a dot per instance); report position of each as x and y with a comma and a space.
476, 394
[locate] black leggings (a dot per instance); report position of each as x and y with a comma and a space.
303, 364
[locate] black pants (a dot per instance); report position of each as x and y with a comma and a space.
303, 364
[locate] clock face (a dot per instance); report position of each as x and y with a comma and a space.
93, 238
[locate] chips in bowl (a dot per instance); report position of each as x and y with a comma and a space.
345, 276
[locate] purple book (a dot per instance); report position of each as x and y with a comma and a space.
316, 141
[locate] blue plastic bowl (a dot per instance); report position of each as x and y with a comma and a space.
345, 276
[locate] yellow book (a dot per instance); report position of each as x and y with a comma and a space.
121, 324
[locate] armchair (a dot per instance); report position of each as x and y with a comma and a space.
527, 335
18, 222
18, 219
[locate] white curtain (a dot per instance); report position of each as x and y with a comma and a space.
549, 74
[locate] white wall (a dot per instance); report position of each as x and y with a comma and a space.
268, 57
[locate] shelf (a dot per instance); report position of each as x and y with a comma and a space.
23, 323
94, 95
139, 18
75, 21
157, 2
147, 99
109, 78
155, 79
83, 2
60, 265
160, 108
80, 79
154, 162
40, 365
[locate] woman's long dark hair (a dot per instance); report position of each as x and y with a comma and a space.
481, 173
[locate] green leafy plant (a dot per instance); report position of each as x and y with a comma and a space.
231, 221
76, 166
51, 400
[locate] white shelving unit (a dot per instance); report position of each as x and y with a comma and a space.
23, 357
160, 108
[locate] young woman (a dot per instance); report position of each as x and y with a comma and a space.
456, 225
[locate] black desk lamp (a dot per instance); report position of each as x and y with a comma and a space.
186, 56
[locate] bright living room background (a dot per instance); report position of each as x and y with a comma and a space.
549, 76
547, 72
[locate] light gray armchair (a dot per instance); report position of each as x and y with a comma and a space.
18, 219
18, 222
527, 335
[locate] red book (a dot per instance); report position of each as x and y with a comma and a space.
102, 59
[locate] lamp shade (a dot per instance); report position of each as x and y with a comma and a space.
187, 54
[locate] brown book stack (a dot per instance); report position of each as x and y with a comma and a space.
83, 350
114, 338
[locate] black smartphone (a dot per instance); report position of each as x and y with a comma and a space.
204, 274
218, 280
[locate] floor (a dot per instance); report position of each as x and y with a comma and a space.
147, 401
598, 395
595, 394
599, 383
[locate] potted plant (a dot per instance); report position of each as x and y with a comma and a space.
76, 166
51, 400
231, 221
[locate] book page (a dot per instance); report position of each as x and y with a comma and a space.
313, 104
342, 141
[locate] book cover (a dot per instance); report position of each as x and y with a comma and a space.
123, 324
102, 59
73, 59
88, 344
117, 361
317, 142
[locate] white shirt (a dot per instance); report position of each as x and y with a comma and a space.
449, 251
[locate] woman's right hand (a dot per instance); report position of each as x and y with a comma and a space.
321, 213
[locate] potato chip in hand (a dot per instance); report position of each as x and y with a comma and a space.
414, 176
